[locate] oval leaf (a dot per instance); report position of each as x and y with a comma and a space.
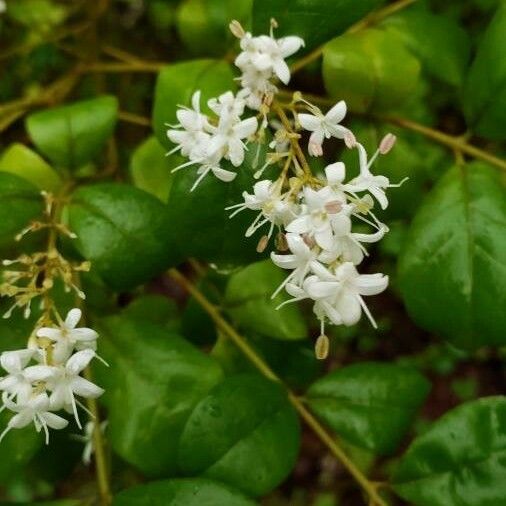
316, 21
244, 433
157, 378
452, 271
248, 300
123, 231
370, 404
182, 492
485, 91
459, 461
72, 135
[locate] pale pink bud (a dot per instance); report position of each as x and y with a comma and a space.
349, 139
387, 143
315, 149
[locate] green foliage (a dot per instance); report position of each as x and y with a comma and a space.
370, 70
370, 404
244, 433
316, 21
177, 83
72, 135
203, 24
451, 271
124, 231
23, 162
484, 97
157, 378
248, 300
459, 460
182, 492
20, 203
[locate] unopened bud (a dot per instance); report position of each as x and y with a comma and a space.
349, 139
321, 347
237, 29
333, 207
387, 143
262, 244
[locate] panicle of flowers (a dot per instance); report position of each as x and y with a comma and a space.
46, 377
314, 216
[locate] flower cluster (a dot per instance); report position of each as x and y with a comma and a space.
207, 141
313, 214
46, 376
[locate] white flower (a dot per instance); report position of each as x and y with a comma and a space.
366, 181
16, 384
67, 336
325, 126
227, 103
340, 294
36, 410
319, 209
256, 85
64, 382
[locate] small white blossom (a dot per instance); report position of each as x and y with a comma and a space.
16, 384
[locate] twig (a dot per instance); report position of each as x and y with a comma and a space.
329, 440
135, 119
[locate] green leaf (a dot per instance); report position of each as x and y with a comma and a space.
157, 378
20, 203
248, 301
484, 97
123, 231
181, 492
459, 461
151, 168
203, 24
177, 83
73, 135
370, 70
452, 270
316, 21
438, 41
370, 404
244, 433
22, 161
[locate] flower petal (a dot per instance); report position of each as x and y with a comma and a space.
73, 317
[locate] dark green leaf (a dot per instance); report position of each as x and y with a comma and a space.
459, 461
22, 161
442, 45
20, 204
452, 271
370, 404
316, 21
72, 135
157, 378
182, 492
176, 84
248, 301
244, 433
484, 97
125, 232
151, 168
370, 70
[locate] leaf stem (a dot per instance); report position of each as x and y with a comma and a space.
372, 19
329, 441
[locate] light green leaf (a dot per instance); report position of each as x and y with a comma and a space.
459, 461
244, 433
484, 97
22, 161
181, 492
73, 135
440, 43
125, 232
151, 168
248, 301
21, 203
452, 271
316, 21
370, 70
177, 83
370, 404
157, 378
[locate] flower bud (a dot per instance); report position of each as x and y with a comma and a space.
387, 143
